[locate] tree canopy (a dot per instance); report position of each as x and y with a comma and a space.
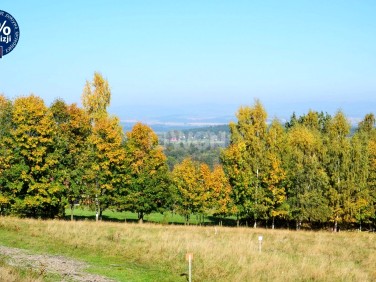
311, 171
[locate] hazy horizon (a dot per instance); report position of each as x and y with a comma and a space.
199, 58
216, 113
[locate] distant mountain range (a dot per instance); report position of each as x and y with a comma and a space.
181, 118
178, 122
181, 123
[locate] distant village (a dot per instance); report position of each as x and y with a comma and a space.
203, 137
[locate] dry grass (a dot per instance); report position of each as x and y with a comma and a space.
12, 274
230, 255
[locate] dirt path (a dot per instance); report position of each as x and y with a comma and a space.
69, 269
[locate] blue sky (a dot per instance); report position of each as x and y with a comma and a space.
197, 57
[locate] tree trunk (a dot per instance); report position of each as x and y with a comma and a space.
335, 229
237, 220
141, 217
298, 224
100, 214
97, 208
71, 209
273, 222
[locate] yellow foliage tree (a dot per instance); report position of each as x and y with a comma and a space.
188, 180
96, 96
244, 161
107, 160
35, 159
220, 193
147, 186
276, 173
6, 194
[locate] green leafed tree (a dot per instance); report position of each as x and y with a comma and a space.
308, 181
337, 163
73, 129
361, 203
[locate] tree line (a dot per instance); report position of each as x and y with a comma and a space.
310, 171
55, 157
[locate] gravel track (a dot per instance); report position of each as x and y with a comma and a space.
68, 269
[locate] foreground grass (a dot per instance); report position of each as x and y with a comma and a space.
16, 274
133, 252
12, 274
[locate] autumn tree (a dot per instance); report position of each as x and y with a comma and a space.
96, 96
367, 125
312, 120
275, 178
306, 175
34, 160
6, 155
220, 191
357, 198
191, 193
71, 140
244, 161
337, 164
371, 181
107, 158
106, 144
240, 176
147, 185
361, 202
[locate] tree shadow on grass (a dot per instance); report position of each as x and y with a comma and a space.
168, 220
104, 218
224, 221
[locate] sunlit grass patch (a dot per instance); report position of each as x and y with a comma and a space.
151, 252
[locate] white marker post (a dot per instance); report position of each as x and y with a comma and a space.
189, 258
260, 243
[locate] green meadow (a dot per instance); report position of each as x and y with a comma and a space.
128, 251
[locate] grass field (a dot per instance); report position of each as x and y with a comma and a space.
13, 274
150, 252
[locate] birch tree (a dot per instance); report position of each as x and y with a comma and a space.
244, 161
338, 165
96, 96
